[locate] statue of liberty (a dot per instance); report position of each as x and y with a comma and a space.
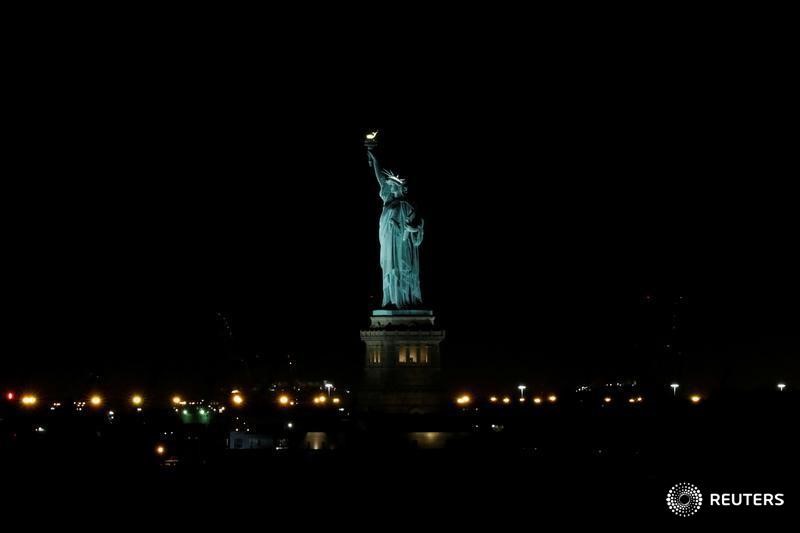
400, 233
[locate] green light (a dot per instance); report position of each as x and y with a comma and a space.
202, 412
185, 412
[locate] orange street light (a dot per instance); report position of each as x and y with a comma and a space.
463, 399
29, 400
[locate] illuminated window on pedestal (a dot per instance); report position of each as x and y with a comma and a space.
413, 354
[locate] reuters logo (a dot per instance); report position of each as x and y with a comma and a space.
684, 499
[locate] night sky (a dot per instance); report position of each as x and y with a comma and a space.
564, 220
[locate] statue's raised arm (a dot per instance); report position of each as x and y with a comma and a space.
376, 167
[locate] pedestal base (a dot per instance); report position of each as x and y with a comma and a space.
402, 372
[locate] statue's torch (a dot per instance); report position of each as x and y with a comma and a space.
370, 140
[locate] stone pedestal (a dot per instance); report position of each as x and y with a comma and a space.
402, 369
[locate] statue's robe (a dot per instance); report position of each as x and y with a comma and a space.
399, 251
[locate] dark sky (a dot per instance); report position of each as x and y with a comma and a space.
138, 206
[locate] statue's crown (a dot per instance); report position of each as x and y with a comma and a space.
394, 177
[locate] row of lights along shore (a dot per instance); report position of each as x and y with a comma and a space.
284, 400
95, 400
237, 399
464, 400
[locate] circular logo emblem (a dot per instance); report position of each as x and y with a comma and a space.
684, 499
